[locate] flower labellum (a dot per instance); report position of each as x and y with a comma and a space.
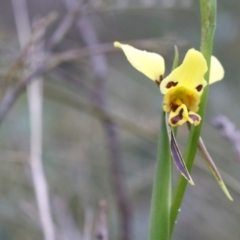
182, 90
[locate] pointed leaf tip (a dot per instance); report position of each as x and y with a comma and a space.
191, 182
225, 190
211, 165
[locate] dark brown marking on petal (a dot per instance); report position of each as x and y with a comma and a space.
160, 78
199, 88
171, 84
174, 107
194, 117
177, 118
157, 82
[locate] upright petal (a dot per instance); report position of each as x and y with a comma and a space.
216, 70
150, 64
189, 74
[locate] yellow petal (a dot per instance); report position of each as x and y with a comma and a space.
150, 64
189, 74
216, 71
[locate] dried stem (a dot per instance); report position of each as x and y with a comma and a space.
229, 131
98, 112
99, 64
35, 110
64, 26
68, 229
102, 225
88, 224
12, 94
51, 61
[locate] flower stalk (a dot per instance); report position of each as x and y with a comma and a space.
208, 23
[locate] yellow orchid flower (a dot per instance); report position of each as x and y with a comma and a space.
182, 87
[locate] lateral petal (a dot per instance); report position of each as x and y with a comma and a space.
216, 70
150, 64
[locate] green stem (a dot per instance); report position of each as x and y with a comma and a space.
208, 19
161, 195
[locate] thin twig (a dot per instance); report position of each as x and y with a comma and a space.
100, 48
100, 68
88, 224
102, 225
63, 27
99, 64
11, 76
12, 94
51, 61
35, 110
229, 131
68, 230
103, 115
75, 54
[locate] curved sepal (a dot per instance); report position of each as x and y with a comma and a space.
176, 154
150, 64
216, 71
211, 165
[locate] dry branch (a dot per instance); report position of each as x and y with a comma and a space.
35, 111
88, 34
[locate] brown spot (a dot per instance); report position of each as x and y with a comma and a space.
199, 88
177, 118
171, 84
174, 107
160, 78
158, 82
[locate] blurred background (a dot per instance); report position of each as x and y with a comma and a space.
78, 149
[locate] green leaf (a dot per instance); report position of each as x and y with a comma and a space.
162, 187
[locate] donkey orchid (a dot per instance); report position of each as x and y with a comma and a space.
183, 87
